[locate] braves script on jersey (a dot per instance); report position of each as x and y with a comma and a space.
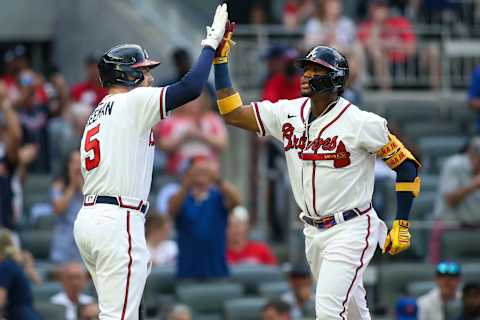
117, 146
331, 160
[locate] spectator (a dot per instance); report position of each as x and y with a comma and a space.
474, 96
329, 27
434, 305
89, 312
73, 278
192, 130
15, 292
250, 11
200, 209
67, 199
33, 115
296, 12
180, 312
90, 91
239, 248
10, 139
276, 310
163, 251
300, 294
58, 93
70, 127
389, 41
470, 302
406, 309
284, 83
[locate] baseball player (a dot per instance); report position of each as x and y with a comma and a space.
117, 157
330, 147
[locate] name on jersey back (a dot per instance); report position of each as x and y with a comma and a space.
100, 111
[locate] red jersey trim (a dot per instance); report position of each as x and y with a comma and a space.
259, 119
162, 106
125, 301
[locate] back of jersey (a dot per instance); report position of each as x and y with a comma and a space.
117, 146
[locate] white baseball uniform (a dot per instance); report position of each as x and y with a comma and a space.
117, 160
331, 167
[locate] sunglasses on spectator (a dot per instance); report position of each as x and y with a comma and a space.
448, 268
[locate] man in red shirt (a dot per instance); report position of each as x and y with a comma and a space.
90, 91
388, 40
240, 249
283, 83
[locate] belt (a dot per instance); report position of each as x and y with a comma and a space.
117, 201
330, 221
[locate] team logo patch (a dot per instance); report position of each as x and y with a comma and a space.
311, 150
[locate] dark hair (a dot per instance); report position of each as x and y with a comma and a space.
278, 305
471, 288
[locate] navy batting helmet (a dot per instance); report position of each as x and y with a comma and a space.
334, 61
120, 65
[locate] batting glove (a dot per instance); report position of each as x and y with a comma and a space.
398, 239
217, 29
223, 50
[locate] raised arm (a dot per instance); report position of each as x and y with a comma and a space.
229, 101
191, 85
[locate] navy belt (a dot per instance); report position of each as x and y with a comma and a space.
329, 221
114, 201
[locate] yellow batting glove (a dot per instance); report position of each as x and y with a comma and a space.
223, 50
398, 239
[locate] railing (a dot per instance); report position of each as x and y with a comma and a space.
440, 62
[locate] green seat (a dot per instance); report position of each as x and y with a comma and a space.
37, 242
273, 289
45, 222
418, 130
429, 182
252, 276
417, 289
36, 189
244, 308
50, 311
212, 316
394, 278
161, 281
435, 149
408, 111
423, 205
460, 245
208, 297
471, 271
43, 292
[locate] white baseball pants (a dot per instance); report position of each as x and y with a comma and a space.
338, 256
112, 244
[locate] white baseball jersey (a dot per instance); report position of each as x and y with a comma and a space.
117, 146
330, 161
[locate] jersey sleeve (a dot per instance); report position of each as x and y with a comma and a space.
148, 105
267, 115
373, 134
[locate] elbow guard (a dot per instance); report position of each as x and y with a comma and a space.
394, 153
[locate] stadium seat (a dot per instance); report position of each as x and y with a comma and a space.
471, 271
208, 297
394, 278
435, 149
460, 245
49, 311
252, 276
212, 316
244, 308
161, 281
418, 130
45, 222
37, 242
429, 182
42, 293
423, 205
36, 189
273, 289
405, 111
417, 289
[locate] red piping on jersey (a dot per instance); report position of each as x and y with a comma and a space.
314, 166
125, 301
358, 269
262, 128
302, 109
162, 115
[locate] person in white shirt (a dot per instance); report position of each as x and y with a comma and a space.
163, 251
74, 280
440, 302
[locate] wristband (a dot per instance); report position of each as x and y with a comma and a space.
230, 103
